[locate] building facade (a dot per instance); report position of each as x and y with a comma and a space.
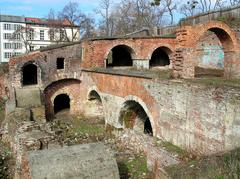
20, 35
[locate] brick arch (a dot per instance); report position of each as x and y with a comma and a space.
155, 47
93, 88
103, 103
66, 86
189, 37
225, 34
143, 105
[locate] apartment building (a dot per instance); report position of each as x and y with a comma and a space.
8, 46
19, 34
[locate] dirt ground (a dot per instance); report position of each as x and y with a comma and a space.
72, 130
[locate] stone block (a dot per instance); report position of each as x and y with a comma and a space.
81, 161
28, 97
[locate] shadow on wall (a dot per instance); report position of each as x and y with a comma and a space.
61, 102
120, 55
133, 116
160, 57
213, 53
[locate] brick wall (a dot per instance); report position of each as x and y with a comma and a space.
69, 87
196, 117
95, 52
188, 38
47, 66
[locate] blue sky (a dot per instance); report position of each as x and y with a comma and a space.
40, 8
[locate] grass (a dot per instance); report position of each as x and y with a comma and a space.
135, 168
89, 129
231, 21
182, 154
224, 166
73, 130
215, 81
6, 162
2, 111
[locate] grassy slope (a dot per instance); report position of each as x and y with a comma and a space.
225, 166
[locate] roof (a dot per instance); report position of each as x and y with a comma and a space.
11, 18
25, 58
44, 21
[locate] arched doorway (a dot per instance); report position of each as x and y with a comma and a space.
120, 55
133, 116
94, 106
61, 102
29, 75
160, 57
213, 53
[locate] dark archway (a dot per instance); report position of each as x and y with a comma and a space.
120, 55
61, 102
29, 75
133, 116
94, 96
160, 57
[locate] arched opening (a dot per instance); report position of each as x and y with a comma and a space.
160, 57
94, 106
29, 75
94, 96
61, 102
70, 86
133, 116
214, 49
120, 55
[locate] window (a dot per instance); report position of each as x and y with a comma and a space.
17, 45
7, 55
17, 36
60, 63
31, 48
7, 26
62, 35
41, 34
30, 34
7, 36
51, 35
16, 54
7, 46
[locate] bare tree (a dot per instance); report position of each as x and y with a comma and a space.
188, 9
200, 6
104, 11
71, 17
87, 30
69, 24
132, 15
208, 5
25, 35
170, 6
234, 2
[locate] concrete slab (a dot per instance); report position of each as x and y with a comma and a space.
81, 161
